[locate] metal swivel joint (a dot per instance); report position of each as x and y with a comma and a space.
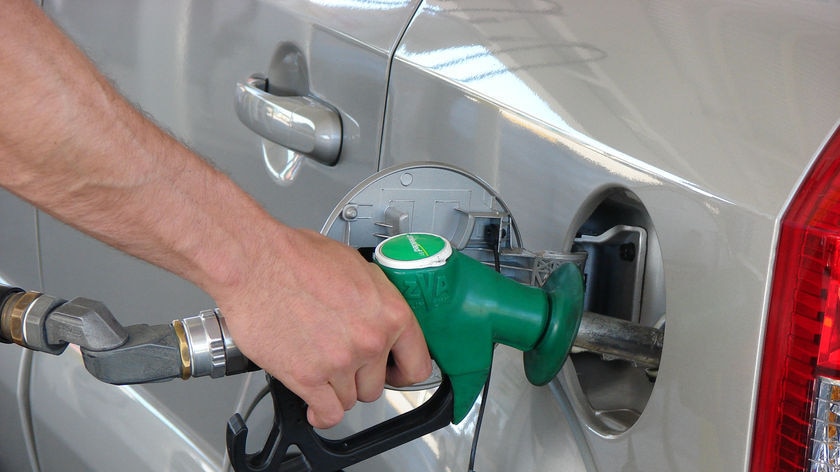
206, 347
195, 346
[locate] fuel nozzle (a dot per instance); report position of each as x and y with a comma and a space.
464, 308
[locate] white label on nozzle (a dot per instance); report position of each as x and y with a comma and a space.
413, 251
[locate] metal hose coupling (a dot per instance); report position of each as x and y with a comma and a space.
48, 324
206, 347
195, 346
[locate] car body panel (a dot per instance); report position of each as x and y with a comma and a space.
709, 113
18, 265
704, 111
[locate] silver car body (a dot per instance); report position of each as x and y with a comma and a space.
700, 116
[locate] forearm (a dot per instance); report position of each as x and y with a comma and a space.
70, 144
307, 309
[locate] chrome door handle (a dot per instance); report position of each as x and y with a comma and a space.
299, 123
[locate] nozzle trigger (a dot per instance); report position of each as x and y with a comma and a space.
318, 454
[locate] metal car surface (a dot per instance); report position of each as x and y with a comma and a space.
698, 110
705, 115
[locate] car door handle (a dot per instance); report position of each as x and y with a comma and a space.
300, 123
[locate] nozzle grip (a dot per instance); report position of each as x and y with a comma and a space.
318, 454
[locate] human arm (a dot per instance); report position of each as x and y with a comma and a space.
73, 147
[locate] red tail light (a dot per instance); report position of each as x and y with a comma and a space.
797, 425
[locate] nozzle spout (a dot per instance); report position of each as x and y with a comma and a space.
616, 338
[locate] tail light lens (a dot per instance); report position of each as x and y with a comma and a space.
797, 424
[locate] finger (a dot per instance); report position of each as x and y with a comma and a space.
344, 387
325, 408
370, 380
412, 362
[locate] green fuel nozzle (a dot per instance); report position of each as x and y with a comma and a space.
465, 308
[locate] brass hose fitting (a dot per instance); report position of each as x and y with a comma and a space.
183, 348
12, 315
6, 315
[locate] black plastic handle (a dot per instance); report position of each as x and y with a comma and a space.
318, 454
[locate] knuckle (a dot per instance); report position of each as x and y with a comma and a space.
373, 344
397, 315
307, 377
339, 360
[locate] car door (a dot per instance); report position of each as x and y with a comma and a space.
180, 61
18, 267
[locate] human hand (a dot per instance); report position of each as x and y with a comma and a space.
318, 317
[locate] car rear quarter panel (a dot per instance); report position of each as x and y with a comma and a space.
709, 112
